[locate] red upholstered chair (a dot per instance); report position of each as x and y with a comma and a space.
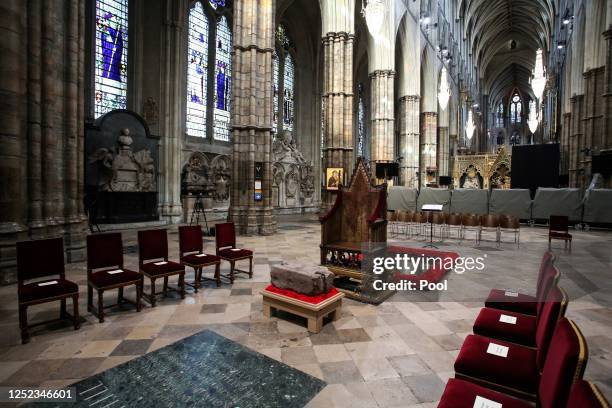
191, 254
225, 236
154, 264
558, 227
518, 373
519, 302
105, 271
585, 394
43, 259
494, 323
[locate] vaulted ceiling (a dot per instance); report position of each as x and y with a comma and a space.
503, 36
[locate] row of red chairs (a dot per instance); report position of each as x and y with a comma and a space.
523, 349
39, 259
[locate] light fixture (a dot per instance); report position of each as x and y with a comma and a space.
469, 126
475, 106
443, 91
374, 13
560, 45
538, 79
532, 122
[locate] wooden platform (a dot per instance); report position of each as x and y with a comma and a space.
313, 312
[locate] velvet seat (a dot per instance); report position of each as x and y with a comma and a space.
522, 303
523, 331
225, 238
154, 264
191, 252
463, 394
585, 394
43, 259
519, 371
105, 272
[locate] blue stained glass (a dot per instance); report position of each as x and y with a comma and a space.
276, 91
197, 63
288, 82
223, 80
110, 76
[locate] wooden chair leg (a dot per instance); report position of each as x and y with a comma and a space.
153, 297
23, 324
197, 276
100, 306
89, 298
120, 295
139, 287
251, 268
63, 308
182, 284
231, 272
165, 289
218, 274
75, 312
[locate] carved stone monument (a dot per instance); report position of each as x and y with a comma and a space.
308, 280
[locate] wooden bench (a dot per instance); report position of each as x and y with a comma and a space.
314, 313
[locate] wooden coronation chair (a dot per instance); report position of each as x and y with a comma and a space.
191, 252
356, 221
43, 259
153, 247
105, 271
225, 238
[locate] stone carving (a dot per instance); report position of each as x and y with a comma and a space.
150, 111
209, 175
292, 184
222, 174
308, 280
285, 149
123, 170
307, 181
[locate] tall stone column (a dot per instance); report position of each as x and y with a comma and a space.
564, 145
254, 29
429, 125
172, 125
443, 152
409, 140
607, 93
338, 100
576, 141
593, 115
382, 114
41, 126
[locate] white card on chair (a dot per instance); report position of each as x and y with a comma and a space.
115, 271
497, 350
160, 263
507, 319
47, 283
482, 402
511, 293
201, 255
235, 249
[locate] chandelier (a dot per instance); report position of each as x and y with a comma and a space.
532, 122
538, 80
444, 90
374, 13
469, 126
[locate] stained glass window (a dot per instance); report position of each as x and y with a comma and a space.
288, 98
500, 115
322, 125
284, 83
110, 78
516, 107
223, 80
197, 62
276, 90
361, 125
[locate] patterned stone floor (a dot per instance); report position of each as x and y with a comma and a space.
398, 354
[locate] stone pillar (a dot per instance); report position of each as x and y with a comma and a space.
443, 152
576, 142
409, 140
172, 101
254, 29
41, 126
382, 114
338, 101
429, 125
607, 93
565, 144
593, 116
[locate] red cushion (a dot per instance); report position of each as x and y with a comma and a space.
32, 292
547, 322
39, 258
315, 300
225, 235
152, 244
103, 278
193, 259
567, 356
517, 371
462, 394
524, 304
523, 332
229, 253
586, 395
563, 235
190, 238
104, 251
151, 269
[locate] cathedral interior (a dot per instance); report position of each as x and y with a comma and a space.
261, 156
